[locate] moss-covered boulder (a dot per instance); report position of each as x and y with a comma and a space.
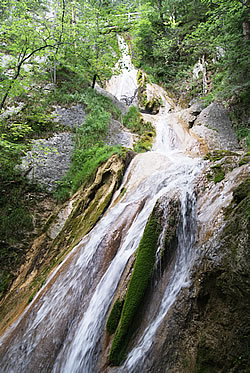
148, 99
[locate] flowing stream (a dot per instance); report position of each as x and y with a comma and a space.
61, 329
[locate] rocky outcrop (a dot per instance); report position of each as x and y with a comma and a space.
62, 231
70, 117
214, 124
118, 134
149, 100
49, 160
207, 330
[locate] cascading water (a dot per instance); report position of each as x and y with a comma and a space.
137, 358
60, 331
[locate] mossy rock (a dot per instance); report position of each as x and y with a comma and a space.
143, 268
145, 142
217, 155
114, 316
242, 191
245, 159
153, 106
141, 79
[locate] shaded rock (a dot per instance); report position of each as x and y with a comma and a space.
214, 124
49, 160
70, 117
119, 104
187, 117
196, 108
118, 135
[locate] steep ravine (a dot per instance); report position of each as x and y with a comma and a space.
168, 259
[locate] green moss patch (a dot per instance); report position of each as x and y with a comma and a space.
245, 159
219, 176
144, 263
134, 121
242, 191
217, 155
114, 316
145, 142
216, 173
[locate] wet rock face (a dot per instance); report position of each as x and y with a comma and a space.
207, 329
62, 231
165, 217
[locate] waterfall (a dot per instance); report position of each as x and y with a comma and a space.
61, 329
179, 279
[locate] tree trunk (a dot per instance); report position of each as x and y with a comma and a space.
94, 81
204, 74
246, 30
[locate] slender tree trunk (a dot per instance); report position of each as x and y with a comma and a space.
94, 81
22, 60
246, 30
59, 42
204, 73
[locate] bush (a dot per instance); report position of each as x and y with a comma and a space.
134, 121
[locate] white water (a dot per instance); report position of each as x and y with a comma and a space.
61, 331
178, 280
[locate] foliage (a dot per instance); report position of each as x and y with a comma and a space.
144, 144
172, 36
144, 263
48, 36
15, 223
133, 120
92, 99
90, 150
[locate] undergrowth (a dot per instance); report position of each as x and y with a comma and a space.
34, 121
134, 121
90, 150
